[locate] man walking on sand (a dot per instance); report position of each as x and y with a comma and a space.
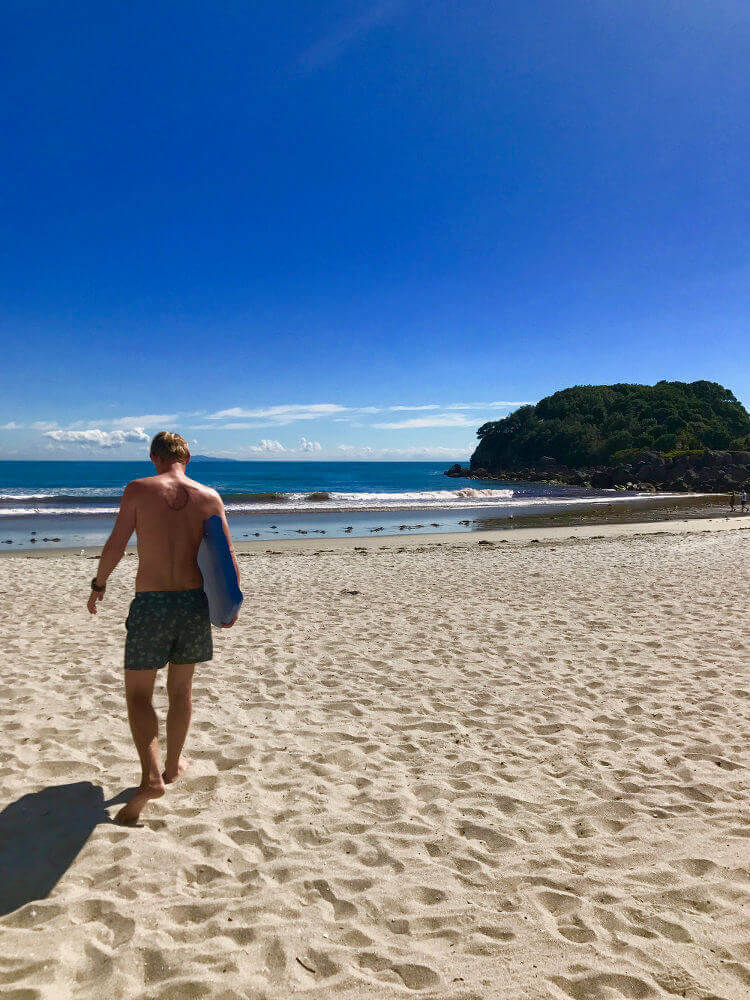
168, 619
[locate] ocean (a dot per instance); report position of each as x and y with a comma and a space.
53, 504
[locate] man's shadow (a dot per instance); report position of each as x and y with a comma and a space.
41, 835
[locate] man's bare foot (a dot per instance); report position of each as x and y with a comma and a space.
132, 810
170, 776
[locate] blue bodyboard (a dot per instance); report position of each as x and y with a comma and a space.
219, 577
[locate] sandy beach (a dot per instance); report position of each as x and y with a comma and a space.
499, 765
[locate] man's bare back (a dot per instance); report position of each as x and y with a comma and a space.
166, 511
169, 513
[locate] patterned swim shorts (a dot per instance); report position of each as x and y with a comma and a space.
167, 626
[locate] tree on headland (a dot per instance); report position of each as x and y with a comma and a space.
589, 425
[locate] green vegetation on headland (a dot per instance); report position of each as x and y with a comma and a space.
673, 434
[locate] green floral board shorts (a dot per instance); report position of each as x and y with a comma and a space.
167, 626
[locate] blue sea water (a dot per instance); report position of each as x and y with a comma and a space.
106, 480
63, 503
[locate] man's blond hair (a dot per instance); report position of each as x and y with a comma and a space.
170, 447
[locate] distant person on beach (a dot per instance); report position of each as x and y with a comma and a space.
743, 499
168, 620
732, 500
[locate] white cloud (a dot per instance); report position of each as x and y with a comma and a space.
305, 445
438, 420
44, 425
285, 414
96, 438
497, 405
243, 418
10, 426
356, 451
266, 446
437, 453
146, 420
425, 406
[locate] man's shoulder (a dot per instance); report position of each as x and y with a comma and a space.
136, 486
207, 493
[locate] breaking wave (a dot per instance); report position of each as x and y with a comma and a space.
101, 502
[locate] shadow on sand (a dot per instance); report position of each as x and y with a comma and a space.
41, 835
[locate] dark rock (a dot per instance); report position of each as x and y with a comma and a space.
602, 480
706, 470
458, 472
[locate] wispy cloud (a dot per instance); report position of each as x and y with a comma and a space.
146, 420
283, 414
436, 453
238, 418
497, 405
347, 33
97, 438
424, 406
114, 432
436, 420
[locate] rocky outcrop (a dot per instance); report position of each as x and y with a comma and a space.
707, 471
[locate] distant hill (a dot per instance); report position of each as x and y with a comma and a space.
210, 458
594, 425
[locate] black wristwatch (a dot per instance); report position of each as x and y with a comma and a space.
95, 586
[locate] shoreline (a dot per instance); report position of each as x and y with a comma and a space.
414, 523
518, 535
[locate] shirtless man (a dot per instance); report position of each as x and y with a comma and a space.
168, 620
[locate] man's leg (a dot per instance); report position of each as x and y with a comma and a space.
180, 692
139, 687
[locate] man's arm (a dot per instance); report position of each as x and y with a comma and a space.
114, 547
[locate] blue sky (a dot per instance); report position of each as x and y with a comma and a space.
361, 229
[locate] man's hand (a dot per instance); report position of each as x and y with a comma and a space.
229, 624
94, 598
